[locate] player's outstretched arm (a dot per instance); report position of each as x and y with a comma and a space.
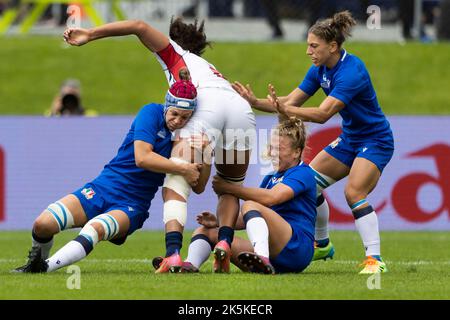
325, 111
153, 39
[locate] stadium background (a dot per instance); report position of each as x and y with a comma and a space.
42, 159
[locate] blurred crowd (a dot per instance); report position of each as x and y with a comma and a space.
394, 11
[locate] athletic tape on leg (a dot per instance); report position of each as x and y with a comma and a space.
61, 214
175, 210
176, 182
109, 224
322, 181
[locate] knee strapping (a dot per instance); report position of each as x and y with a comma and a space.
109, 225
176, 182
175, 210
62, 215
322, 181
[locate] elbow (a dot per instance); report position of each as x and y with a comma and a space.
139, 26
198, 189
322, 118
139, 161
269, 201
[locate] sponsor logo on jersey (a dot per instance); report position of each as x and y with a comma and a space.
325, 83
162, 134
88, 193
276, 180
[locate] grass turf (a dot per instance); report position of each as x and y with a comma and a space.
119, 75
417, 263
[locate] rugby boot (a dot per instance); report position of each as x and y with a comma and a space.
256, 263
373, 265
35, 263
222, 256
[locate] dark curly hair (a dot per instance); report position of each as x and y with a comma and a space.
190, 37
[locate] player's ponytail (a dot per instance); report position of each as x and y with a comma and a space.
190, 37
336, 28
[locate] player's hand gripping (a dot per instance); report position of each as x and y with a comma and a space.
220, 186
245, 92
76, 37
207, 219
192, 173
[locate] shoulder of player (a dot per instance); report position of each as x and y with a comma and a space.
151, 110
352, 70
301, 169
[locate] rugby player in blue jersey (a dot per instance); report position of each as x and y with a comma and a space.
279, 216
116, 203
366, 144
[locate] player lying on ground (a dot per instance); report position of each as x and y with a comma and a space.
116, 203
279, 216
363, 149
222, 114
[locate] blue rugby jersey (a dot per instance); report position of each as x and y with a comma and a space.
121, 177
349, 81
300, 211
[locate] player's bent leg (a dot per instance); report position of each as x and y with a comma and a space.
63, 214
202, 243
323, 247
174, 217
327, 170
267, 230
231, 165
105, 226
363, 178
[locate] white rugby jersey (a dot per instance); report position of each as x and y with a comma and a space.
203, 74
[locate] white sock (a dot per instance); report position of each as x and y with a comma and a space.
70, 253
198, 252
323, 214
258, 233
45, 247
367, 227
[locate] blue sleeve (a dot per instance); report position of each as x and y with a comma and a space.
265, 181
310, 83
146, 124
347, 86
295, 180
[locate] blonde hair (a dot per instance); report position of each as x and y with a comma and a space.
293, 128
336, 28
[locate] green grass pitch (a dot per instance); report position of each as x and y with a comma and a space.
118, 76
417, 261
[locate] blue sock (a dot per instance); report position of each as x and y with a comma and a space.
174, 242
323, 243
227, 234
377, 257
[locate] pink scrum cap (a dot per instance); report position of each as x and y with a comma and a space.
183, 95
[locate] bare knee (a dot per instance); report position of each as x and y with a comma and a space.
352, 195
45, 226
249, 205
